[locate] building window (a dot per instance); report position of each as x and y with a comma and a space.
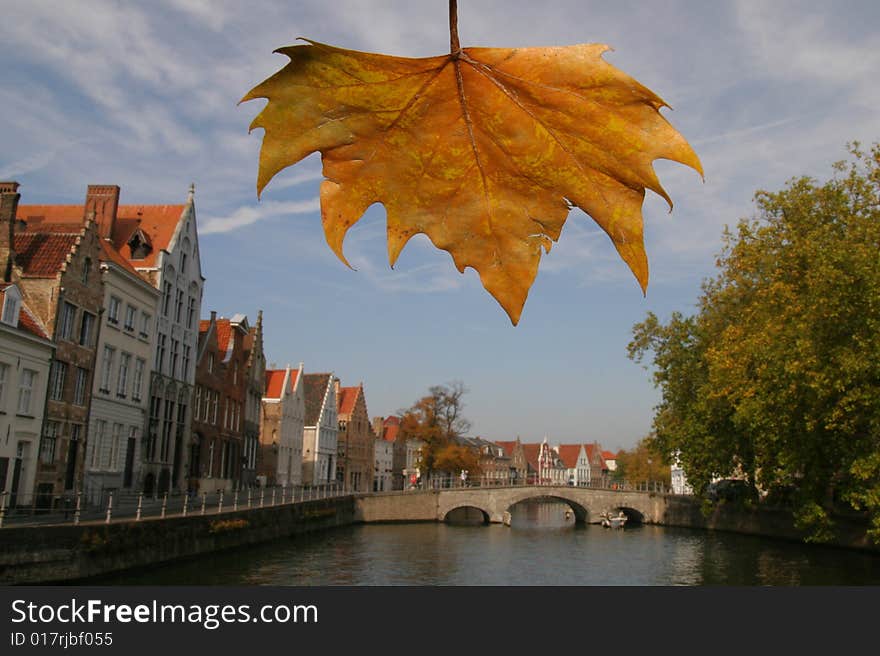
210, 363
145, 325
122, 381
98, 442
47, 445
107, 369
4, 375
65, 325
86, 270
184, 369
175, 346
113, 311
191, 312
197, 405
138, 381
115, 448
166, 299
130, 315
79, 390
86, 329
25, 389
179, 306
167, 427
11, 306
56, 380
160, 354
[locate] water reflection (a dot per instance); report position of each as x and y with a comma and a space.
537, 515
541, 547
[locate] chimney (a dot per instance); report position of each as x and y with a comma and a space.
8, 209
213, 316
103, 200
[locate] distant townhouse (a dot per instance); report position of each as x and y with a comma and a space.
577, 464
25, 356
389, 429
161, 243
320, 430
598, 467
281, 437
206, 463
355, 463
53, 256
610, 459
495, 464
255, 383
383, 463
678, 480
518, 465
545, 465
120, 392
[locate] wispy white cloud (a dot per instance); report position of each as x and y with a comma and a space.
249, 214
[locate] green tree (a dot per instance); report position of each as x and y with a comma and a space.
437, 419
777, 375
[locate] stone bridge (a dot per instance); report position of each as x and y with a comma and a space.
435, 505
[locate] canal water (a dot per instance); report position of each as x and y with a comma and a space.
542, 546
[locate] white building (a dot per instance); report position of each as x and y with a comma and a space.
577, 463
283, 424
679, 482
120, 392
25, 354
383, 457
321, 429
551, 469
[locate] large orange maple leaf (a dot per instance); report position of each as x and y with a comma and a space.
484, 150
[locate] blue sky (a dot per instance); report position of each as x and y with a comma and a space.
145, 95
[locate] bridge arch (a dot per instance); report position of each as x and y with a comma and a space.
468, 515
581, 513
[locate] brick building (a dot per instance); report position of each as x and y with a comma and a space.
355, 465
52, 255
255, 383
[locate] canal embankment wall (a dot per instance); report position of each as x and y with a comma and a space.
58, 553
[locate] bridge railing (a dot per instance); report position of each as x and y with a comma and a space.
126, 505
604, 483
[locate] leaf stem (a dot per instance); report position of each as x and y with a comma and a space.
454, 45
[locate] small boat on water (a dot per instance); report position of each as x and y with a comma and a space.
617, 521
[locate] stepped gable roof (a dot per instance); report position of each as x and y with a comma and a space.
568, 453
43, 254
315, 388
347, 399
156, 223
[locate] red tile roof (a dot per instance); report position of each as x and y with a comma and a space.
507, 447
347, 399
593, 449
294, 375
30, 324
531, 452
110, 254
569, 453
274, 383
158, 223
41, 255
608, 455
224, 333
204, 324
390, 432
393, 420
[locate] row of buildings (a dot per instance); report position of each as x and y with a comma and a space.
111, 380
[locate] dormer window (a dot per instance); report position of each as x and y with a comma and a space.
11, 306
140, 245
